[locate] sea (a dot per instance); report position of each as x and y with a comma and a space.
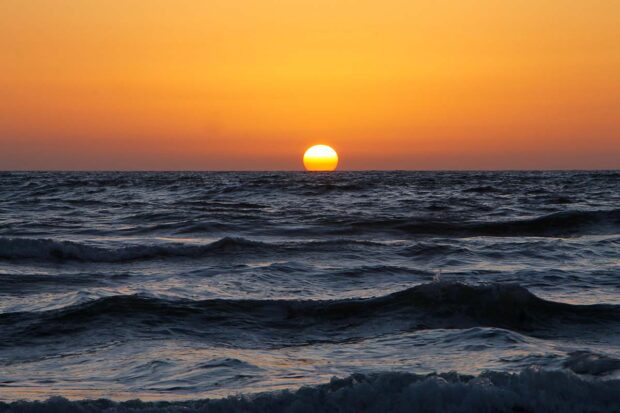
366, 291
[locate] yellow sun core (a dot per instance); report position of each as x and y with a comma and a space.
320, 158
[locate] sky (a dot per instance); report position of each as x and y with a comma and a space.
249, 85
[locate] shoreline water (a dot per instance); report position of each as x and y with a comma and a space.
531, 390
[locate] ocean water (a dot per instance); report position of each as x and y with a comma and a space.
284, 291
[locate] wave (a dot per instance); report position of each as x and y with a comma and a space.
584, 362
485, 189
559, 224
419, 250
297, 322
423, 250
531, 390
568, 223
376, 271
49, 249
56, 250
32, 283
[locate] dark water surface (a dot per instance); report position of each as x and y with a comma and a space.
167, 286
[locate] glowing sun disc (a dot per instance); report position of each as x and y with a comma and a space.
320, 158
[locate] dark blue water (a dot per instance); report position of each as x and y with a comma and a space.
171, 286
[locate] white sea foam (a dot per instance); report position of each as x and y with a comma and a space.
529, 391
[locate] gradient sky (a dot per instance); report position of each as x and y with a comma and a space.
248, 84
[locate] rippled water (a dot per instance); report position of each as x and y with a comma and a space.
165, 286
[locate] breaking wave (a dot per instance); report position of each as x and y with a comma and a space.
531, 390
585, 362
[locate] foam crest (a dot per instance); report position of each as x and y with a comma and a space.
528, 391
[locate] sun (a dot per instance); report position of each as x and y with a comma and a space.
320, 158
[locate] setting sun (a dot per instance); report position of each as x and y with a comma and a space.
320, 158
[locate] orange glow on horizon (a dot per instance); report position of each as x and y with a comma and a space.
241, 84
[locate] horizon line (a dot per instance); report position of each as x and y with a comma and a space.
304, 171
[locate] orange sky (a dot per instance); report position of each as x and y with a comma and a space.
249, 84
